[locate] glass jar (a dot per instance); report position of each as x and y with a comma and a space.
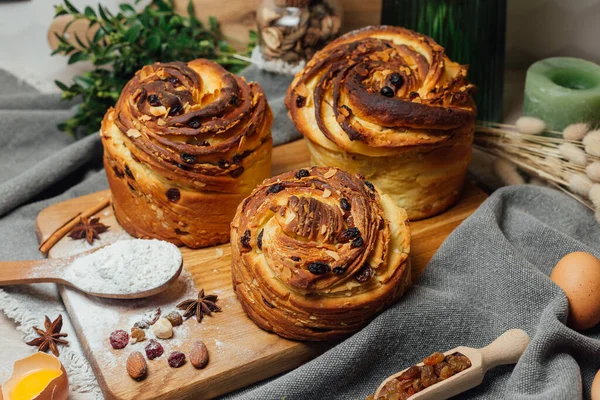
472, 32
293, 30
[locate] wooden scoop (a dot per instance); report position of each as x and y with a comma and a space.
507, 349
53, 270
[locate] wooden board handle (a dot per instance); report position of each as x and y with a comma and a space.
507, 349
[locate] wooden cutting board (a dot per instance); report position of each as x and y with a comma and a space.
240, 352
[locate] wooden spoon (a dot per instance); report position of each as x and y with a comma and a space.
507, 349
53, 270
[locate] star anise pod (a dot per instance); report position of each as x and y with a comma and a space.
204, 305
88, 229
50, 337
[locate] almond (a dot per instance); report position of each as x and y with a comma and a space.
136, 366
199, 355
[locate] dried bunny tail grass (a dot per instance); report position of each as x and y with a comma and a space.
594, 195
573, 154
593, 171
580, 184
507, 172
530, 125
576, 131
591, 141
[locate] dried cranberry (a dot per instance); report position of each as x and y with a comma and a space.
119, 339
153, 349
276, 188
358, 242
349, 234
188, 158
387, 91
259, 239
173, 194
301, 173
345, 204
176, 359
245, 240
194, 123
364, 274
154, 101
319, 268
300, 101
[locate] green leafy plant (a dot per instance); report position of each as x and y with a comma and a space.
126, 41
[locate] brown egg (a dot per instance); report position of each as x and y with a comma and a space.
37, 377
578, 275
596, 387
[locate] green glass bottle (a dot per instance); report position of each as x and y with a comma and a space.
471, 31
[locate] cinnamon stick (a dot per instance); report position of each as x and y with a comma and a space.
68, 226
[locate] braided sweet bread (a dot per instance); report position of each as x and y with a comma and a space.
387, 102
317, 253
182, 147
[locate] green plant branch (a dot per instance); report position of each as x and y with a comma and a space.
127, 40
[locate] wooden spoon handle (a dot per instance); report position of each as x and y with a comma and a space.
507, 349
31, 271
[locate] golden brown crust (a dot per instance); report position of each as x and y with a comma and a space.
318, 253
183, 146
384, 92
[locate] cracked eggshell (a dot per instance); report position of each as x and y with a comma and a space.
57, 389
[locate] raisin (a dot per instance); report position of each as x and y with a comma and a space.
237, 172
301, 173
175, 110
188, 158
276, 188
129, 173
369, 185
358, 242
173, 194
396, 79
119, 339
428, 377
417, 385
300, 101
319, 268
175, 318
296, 258
173, 80
413, 95
237, 159
194, 123
245, 240
339, 270
458, 362
387, 91
153, 349
223, 164
154, 101
259, 239
345, 204
234, 100
446, 371
204, 143
411, 373
433, 359
176, 359
349, 234
364, 274
267, 303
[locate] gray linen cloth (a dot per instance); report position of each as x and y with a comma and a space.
489, 276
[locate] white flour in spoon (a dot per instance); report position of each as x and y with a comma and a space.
126, 267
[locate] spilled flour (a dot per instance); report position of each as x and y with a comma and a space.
126, 267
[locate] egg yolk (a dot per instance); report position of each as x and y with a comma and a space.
33, 384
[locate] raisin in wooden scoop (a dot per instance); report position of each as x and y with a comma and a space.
443, 375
